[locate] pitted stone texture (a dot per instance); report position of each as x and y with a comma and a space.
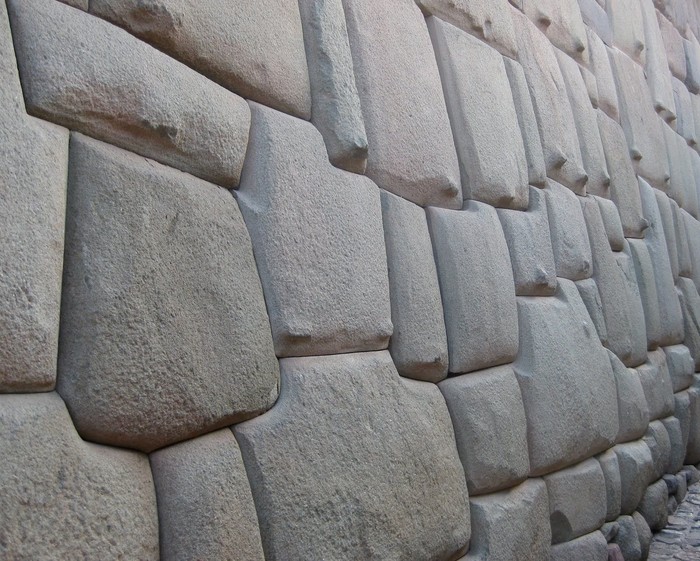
512, 525
586, 127
530, 247
692, 60
673, 42
253, 49
656, 382
561, 431
158, 343
419, 343
640, 122
577, 500
656, 438
484, 123
600, 66
675, 436
412, 157
653, 506
622, 308
681, 367
627, 22
646, 281
65, 499
613, 486
685, 264
490, 427
562, 153
569, 235
690, 304
335, 103
93, 77
613, 225
658, 73
685, 125
537, 172
631, 401
636, 472
332, 480
627, 539
597, 22
666, 214
591, 547
624, 188
318, 241
561, 22
205, 505
476, 281
489, 20
588, 290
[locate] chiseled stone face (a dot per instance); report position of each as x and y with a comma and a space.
657, 70
561, 22
613, 486
612, 223
334, 480
631, 401
636, 472
591, 547
627, 22
164, 333
656, 382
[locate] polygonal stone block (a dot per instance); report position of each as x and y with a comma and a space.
561, 22
490, 427
636, 472
631, 401
673, 43
419, 343
597, 22
476, 281
681, 367
158, 344
666, 215
646, 281
681, 170
691, 187
600, 66
318, 241
693, 448
588, 290
656, 382
378, 481
692, 228
685, 123
690, 304
612, 223
685, 264
627, 22
682, 412
93, 77
421, 167
692, 60
653, 506
627, 539
613, 486
656, 438
484, 123
591, 547
591, 84
658, 73
675, 436
230, 43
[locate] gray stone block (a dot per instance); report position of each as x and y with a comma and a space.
681, 367
653, 506
423, 167
64, 498
419, 343
691, 47
157, 343
333, 481
646, 281
692, 228
318, 241
588, 290
691, 187
569, 235
656, 438
682, 172
563, 432
591, 547
93, 77
205, 505
675, 436
682, 411
631, 401
628, 539
656, 382
636, 472
673, 43
530, 247
690, 304
335, 103
476, 281
613, 486
612, 223
627, 23
656, 67
615, 553
666, 215
596, 19
692, 455
685, 123
253, 49
561, 22
591, 84
610, 529
685, 264
490, 427
600, 66
484, 122
682, 488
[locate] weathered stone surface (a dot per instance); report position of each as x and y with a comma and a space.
682, 411
88, 75
588, 290
561, 22
627, 23
530, 247
691, 48
693, 448
656, 382
631, 401
666, 215
591, 547
656, 438
685, 265
421, 167
332, 480
613, 486
681, 171
65, 499
595, 17
690, 304
615, 553
562, 153
205, 505
657, 71
653, 505
419, 343
489, 20
692, 228
624, 189
681, 367
318, 242
600, 66
636, 472
335, 103
569, 236
628, 540
484, 123
562, 432
523, 510
643, 532
613, 225
586, 127
640, 122
591, 84
490, 427
685, 124
610, 529
157, 343
230, 43
675, 435
646, 281
476, 281
673, 43
80, 4
691, 192
537, 171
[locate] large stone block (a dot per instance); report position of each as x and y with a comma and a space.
693, 182
254, 49
205, 505
419, 166
678, 445
318, 241
64, 498
644, 534
530, 247
597, 22
157, 343
656, 67
489, 144
631, 401
659, 443
685, 123
627, 22
577, 500
653, 506
673, 43
656, 382
636, 472
600, 66
692, 228
690, 304
490, 427
666, 215
646, 281
682, 173
628, 539
693, 448
561, 22
612, 223
682, 411
560, 355
335, 481
588, 290
613, 486
419, 343
591, 547
681, 366
685, 264
476, 280
692, 60
93, 77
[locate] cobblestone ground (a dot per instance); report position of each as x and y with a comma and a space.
680, 540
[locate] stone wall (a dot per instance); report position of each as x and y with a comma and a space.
347, 279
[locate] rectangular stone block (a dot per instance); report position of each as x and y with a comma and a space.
657, 70
627, 22
673, 42
90, 76
591, 547
631, 401
656, 438
613, 485
612, 223
561, 22
646, 281
656, 381
685, 123
690, 306
600, 66
636, 472
596, 20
